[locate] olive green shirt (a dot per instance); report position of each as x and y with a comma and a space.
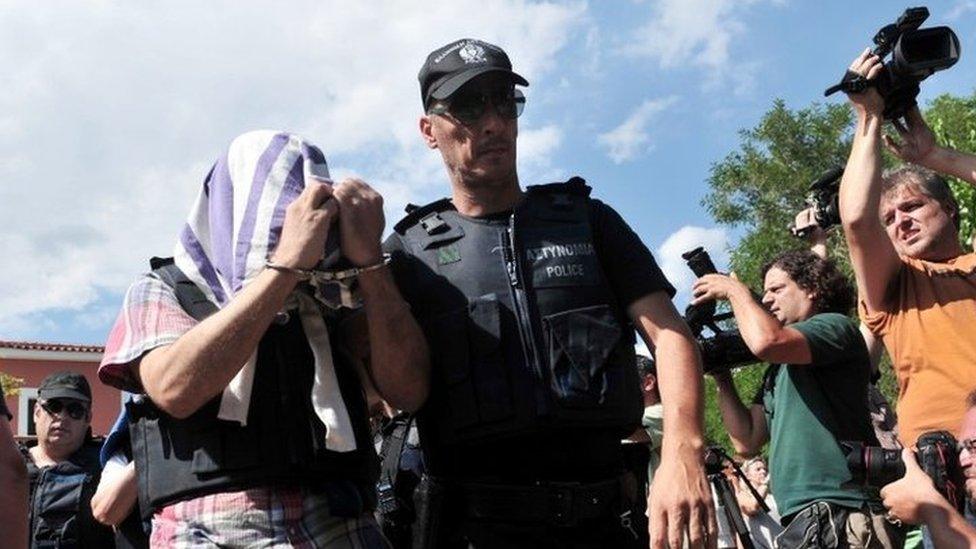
810, 408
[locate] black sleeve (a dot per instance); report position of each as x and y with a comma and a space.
3, 404
631, 269
403, 269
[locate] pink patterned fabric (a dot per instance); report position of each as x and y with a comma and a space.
150, 317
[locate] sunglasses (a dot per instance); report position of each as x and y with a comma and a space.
468, 106
74, 409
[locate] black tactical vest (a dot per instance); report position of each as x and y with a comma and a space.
60, 502
283, 442
525, 333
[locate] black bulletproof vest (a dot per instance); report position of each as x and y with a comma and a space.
283, 442
60, 502
525, 333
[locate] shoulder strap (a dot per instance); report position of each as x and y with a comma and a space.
575, 186
562, 202
392, 447
426, 215
426, 227
191, 298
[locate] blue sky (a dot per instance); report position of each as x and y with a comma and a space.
114, 112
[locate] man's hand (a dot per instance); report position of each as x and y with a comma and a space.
681, 501
306, 227
917, 140
361, 222
908, 498
716, 286
868, 101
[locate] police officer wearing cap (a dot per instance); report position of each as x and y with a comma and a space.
63, 468
529, 299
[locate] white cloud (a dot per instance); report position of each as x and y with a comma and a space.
714, 240
535, 150
631, 137
961, 8
696, 33
111, 114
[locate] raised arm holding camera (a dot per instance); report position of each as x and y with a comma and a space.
913, 277
812, 397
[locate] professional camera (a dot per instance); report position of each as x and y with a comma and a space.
724, 349
937, 454
915, 54
822, 198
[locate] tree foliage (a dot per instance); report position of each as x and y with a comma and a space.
761, 186
11, 384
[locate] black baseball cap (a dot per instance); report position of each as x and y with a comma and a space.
65, 385
449, 67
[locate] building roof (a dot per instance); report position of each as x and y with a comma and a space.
59, 347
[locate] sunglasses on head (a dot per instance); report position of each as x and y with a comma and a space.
73, 408
468, 106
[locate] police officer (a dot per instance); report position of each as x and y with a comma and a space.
63, 467
529, 300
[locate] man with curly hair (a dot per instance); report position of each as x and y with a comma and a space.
813, 396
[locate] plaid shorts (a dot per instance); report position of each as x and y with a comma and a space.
262, 517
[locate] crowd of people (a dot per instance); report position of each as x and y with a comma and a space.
499, 326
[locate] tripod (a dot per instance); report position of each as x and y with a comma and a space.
727, 508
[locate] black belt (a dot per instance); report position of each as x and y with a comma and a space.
557, 503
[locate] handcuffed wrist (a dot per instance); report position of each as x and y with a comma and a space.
302, 274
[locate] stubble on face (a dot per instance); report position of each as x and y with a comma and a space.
917, 225
60, 434
784, 298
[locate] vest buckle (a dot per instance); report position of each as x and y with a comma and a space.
433, 224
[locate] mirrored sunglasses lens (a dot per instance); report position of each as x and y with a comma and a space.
76, 410
468, 107
53, 406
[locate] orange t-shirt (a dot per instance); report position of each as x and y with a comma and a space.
930, 333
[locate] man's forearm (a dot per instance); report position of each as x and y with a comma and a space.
116, 495
952, 162
735, 415
759, 329
860, 186
948, 528
873, 256
680, 381
182, 377
13, 489
399, 359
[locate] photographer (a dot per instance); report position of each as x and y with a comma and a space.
914, 280
883, 417
915, 500
813, 395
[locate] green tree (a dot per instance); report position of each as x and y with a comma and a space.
11, 384
953, 119
759, 188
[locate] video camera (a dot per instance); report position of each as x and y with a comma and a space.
937, 454
724, 349
916, 54
822, 198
